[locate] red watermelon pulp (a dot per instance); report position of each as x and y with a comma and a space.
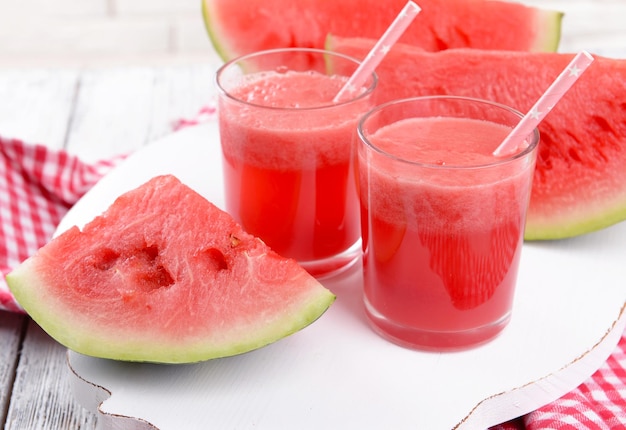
165, 276
580, 179
242, 27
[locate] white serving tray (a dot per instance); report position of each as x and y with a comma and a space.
567, 319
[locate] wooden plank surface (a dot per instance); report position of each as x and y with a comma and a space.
94, 114
120, 110
10, 337
41, 397
35, 105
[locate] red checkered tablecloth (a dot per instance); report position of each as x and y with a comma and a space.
37, 188
38, 185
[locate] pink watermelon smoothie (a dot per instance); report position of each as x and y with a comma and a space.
287, 165
442, 240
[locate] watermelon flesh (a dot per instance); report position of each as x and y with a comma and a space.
579, 184
241, 27
165, 276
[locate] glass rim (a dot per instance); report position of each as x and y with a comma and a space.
534, 141
369, 90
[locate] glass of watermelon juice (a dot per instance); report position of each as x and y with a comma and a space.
287, 153
442, 219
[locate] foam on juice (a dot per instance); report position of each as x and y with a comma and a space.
286, 137
442, 141
290, 89
454, 144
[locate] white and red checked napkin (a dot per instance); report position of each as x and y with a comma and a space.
38, 186
597, 404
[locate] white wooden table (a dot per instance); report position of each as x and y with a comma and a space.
98, 113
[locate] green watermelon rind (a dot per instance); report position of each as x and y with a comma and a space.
543, 228
214, 38
551, 22
30, 292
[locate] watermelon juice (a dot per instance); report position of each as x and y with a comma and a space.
287, 154
443, 220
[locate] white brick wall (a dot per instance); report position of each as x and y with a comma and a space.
156, 7
95, 32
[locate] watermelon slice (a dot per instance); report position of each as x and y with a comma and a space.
580, 180
165, 276
242, 27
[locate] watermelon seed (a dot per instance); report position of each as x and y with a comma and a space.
234, 241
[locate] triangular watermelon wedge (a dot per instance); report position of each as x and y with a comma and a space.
579, 184
165, 276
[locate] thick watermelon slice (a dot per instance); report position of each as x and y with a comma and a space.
580, 180
241, 27
165, 276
